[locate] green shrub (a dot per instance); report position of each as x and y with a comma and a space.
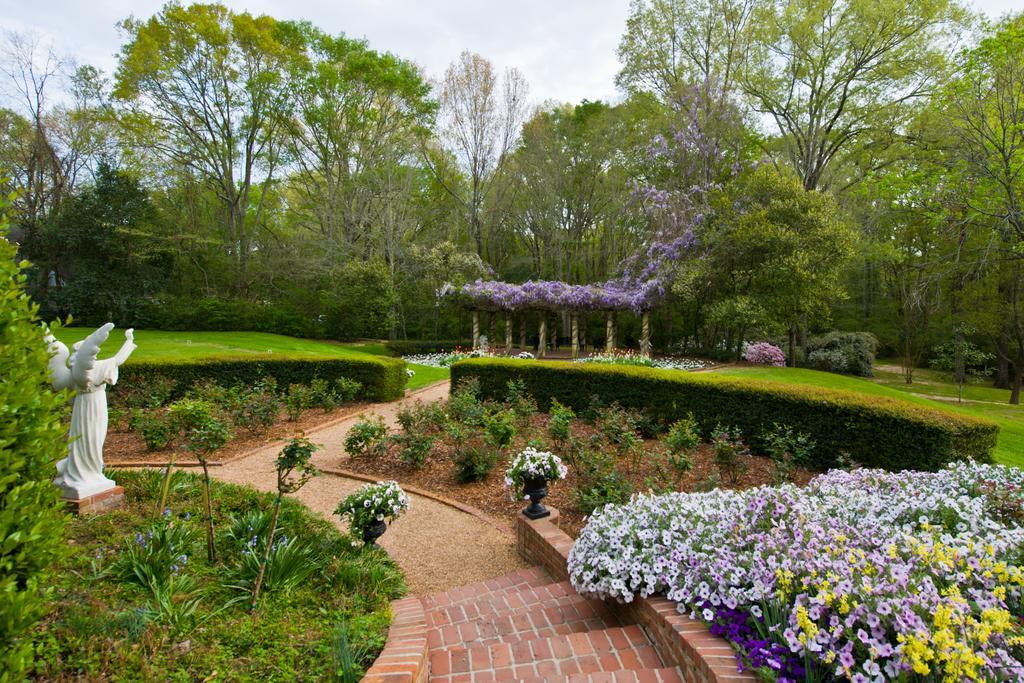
560, 424
156, 428
474, 463
499, 429
875, 431
519, 400
850, 353
413, 448
32, 516
367, 438
256, 408
599, 482
682, 437
787, 449
731, 453
298, 399
380, 379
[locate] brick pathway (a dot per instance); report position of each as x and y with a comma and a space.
527, 626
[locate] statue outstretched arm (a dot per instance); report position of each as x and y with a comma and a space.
126, 349
85, 356
60, 373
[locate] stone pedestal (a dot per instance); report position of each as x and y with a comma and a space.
98, 502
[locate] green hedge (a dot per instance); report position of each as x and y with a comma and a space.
382, 379
875, 431
410, 347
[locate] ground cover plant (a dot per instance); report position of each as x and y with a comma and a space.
645, 361
136, 598
862, 575
463, 448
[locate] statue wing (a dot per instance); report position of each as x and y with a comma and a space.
60, 373
85, 356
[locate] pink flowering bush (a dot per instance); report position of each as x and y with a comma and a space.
864, 576
763, 353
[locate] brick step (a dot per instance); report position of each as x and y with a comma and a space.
659, 675
500, 603
509, 583
464, 625
605, 650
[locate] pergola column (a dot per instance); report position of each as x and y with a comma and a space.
492, 329
522, 332
508, 334
645, 333
574, 321
476, 329
609, 332
542, 341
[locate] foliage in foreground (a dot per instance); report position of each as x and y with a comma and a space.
31, 441
860, 574
138, 601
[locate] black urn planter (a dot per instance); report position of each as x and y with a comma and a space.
535, 488
373, 532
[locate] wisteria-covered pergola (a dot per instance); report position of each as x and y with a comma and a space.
551, 296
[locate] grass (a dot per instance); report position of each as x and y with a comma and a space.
155, 345
1010, 448
104, 626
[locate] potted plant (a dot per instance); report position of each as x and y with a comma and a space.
370, 508
528, 478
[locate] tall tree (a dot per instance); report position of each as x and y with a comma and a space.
480, 119
839, 77
211, 89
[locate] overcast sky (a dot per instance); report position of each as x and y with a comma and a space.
566, 48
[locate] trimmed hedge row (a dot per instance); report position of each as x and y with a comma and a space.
382, 379
875, 431
411, 347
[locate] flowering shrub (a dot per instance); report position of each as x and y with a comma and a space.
373, 503
533, 464
763, 353
644, 361
866, 575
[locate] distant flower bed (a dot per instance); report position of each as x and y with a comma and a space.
863, 575
640, 360
444, 360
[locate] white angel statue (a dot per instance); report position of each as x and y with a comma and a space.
80, 475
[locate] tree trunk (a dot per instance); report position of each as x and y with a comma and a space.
574, 323
1018, 379
645, 333
542, 338
476, 330
508, 334
609, 333
211, 549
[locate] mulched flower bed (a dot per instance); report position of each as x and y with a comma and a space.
491, 495
125, 446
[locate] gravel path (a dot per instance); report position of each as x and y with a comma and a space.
437, 546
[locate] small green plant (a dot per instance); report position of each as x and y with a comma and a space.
346, 390
258, 407
682, 437
519, 400
473, 462
414, 448
464, 405
731, 453
156, 428
294, 469
499, 429
367, 438
560, 424
345, 661
298, 399
787, 449
204, 434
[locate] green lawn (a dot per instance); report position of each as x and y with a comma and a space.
1009, 450
157, 345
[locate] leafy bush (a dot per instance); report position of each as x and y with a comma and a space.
519, 400
599, 482
787, 449
414, 447
850, 353
499, 429
298, 399
730, 453
473, 462
380, 379
415, 440
763, 353
156, 428
682, 437
560, 424
256, 408
367, 438
31, 440
875, 431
